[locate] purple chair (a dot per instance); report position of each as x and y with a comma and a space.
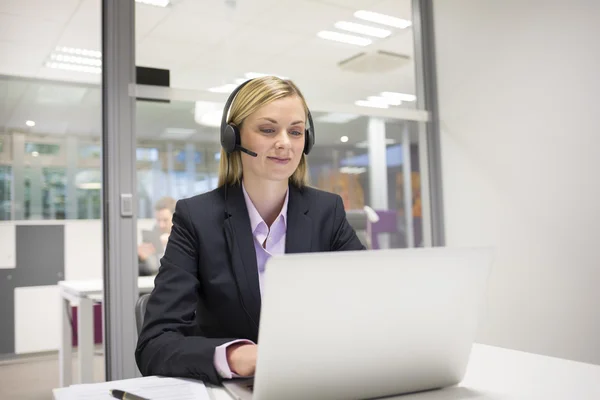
388, 223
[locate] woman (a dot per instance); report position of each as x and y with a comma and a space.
202, 317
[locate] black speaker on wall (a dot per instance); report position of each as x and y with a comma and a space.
154, 77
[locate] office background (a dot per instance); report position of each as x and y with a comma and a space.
362, 92
516, 94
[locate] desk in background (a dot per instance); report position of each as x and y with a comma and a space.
494, 373
83, 294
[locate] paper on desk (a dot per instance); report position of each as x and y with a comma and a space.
150, 387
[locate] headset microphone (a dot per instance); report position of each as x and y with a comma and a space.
245, 150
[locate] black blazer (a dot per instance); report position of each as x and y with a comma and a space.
196, 305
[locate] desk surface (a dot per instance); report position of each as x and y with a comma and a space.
96, 286
499, 374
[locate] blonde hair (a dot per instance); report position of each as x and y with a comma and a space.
251, 97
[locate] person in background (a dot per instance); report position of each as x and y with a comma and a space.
202, 317
155, 241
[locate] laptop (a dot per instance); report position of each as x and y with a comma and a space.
153, 237
366, 324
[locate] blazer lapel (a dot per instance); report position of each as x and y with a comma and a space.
299, 225
241, 247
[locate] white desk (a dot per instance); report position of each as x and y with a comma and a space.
83, 294
498, 374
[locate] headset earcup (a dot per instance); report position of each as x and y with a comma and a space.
309, 140
230, 138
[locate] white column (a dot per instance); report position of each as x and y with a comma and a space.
51, 204
36, 183
378, 189
72, 152
18, 170
407, 175
190, 168
171, 181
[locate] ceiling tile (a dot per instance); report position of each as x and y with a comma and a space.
324, 53
24, 59
183, 27
395, 8
230, 11
90, 9
84, 30
252, 41
28, 30
351, 4
401, 41
60, 10
206, 43
168, 54
306, 17
147, 18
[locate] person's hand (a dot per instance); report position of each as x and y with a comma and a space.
164, 238
145, 250
241, 358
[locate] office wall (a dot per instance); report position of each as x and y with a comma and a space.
34, 256
519, 107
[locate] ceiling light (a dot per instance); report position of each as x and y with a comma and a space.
383, 19
90, 186
344, 38
337, 118
366, 103
88, 179
74, 67
382, 100
399, 96
157, 3
353, 170
344, 139
223, 88
362, 29
364, 144
30, 123
79, 52
35, 153
391, 101
75, 59
95, 62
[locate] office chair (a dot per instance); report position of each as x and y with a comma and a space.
358, 221
387, 222
140, 310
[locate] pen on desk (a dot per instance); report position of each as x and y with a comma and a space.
121, 395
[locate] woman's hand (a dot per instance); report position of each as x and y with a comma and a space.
241, 358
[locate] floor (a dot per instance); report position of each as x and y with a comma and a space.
34, 377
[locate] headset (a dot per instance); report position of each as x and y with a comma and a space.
230, 134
